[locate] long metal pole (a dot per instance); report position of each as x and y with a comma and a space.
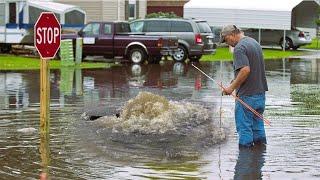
5, 23
221, 95
284, 40
259, 36
237, 98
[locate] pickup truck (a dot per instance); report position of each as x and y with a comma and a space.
115, 39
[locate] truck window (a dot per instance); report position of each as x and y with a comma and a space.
123, 28
157, 26
107, 29
137, 26
92, 29
180, 26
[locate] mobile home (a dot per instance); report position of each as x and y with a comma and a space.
17, 18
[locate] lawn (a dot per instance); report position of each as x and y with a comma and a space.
224, 54
10, 62
313, 45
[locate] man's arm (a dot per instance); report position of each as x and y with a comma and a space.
241, 77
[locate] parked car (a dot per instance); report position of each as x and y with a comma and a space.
194, 36
114, 39
294, 38
216, 31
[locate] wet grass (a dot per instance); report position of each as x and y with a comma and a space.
225, 55
309, 98
10, 62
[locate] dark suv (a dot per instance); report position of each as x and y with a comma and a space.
194, 36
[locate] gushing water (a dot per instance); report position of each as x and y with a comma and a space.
152, 115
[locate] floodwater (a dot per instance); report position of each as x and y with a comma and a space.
75, 150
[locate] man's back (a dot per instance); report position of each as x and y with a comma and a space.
248, 52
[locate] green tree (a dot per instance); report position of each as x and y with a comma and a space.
162, 15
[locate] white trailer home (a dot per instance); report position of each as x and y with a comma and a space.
17, 18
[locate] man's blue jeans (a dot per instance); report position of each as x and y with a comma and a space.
250, 128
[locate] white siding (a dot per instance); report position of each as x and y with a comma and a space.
92, 8
242, 18
142, 9
264, 14
109, 10
105, 10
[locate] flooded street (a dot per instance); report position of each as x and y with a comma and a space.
75, 150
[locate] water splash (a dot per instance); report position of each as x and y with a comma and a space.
150, 114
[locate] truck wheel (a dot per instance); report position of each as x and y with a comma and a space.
195, 58
295, 47
181, 55
137, 55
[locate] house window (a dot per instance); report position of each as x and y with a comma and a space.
132, 9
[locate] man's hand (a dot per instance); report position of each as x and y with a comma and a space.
227, 90
241, 77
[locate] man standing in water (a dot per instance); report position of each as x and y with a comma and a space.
250, 84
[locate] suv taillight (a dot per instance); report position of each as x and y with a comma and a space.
160, 42
198, 38
301, 34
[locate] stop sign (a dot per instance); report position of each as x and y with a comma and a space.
47, 35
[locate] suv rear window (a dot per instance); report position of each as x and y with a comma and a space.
204, 27
157, 26
180, 26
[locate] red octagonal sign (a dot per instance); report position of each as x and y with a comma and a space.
47, 35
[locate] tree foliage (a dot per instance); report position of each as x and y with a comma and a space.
162, 15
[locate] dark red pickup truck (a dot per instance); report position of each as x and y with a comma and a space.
115, 39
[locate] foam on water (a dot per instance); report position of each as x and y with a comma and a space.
150, 114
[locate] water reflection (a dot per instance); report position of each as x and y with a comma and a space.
292, 106
305, 71
44, 150
66, 81
250, 162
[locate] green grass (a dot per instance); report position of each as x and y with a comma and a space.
313, 45
225, 55
9, 62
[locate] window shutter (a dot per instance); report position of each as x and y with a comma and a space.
137, 9
126, 10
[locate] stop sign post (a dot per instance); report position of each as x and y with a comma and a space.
47, 38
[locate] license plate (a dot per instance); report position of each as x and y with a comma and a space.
209, 41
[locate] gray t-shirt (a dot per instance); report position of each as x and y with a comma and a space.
248, 52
